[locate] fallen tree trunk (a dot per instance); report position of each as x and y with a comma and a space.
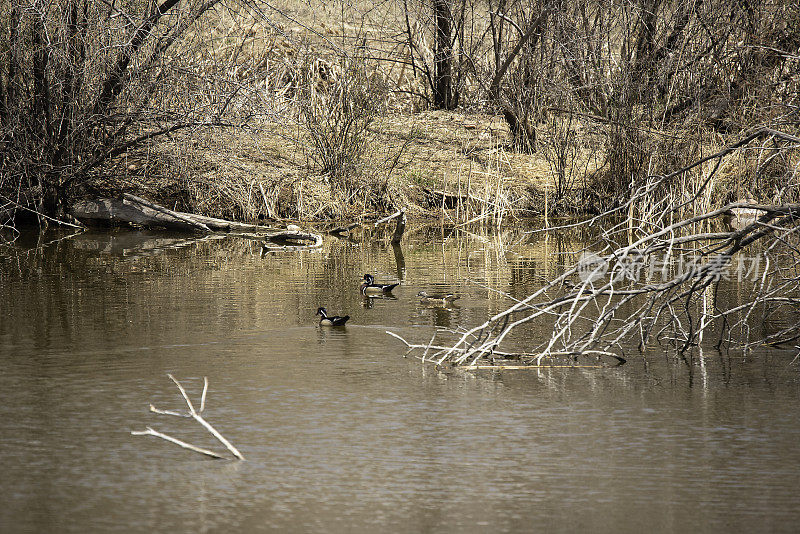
135, 211
139, 212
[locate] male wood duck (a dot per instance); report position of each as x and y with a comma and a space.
331, 320
369, 287
436, 300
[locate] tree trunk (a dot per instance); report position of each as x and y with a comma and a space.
443, 56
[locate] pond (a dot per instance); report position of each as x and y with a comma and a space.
340, 431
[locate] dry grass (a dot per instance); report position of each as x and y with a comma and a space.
420, 162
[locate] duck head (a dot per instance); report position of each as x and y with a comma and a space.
322, 311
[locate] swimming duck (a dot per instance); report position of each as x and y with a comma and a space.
369, 287
439, 300
330, 320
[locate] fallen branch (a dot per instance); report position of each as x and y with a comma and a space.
502, 355
194, 414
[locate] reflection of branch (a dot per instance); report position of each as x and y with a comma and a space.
194, 414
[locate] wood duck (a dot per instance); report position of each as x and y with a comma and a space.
331, 320
369, 287
438, 300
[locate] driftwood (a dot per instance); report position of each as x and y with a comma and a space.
194, 414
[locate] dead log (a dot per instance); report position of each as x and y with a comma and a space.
136, 211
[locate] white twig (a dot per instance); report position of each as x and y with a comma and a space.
205, 390
151, 432
185, 396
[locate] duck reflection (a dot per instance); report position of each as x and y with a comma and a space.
441, 316
368, 301
325, 335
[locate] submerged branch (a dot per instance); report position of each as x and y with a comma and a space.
513, 356
194, 414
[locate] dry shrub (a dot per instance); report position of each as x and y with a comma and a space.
337, 103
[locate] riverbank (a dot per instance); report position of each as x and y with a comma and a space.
420, 162
445, 164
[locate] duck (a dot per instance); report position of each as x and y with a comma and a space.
330, 320
439, 300
369, 287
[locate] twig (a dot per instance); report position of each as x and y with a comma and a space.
39, 214
197, 417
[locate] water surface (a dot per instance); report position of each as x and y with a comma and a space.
341, 433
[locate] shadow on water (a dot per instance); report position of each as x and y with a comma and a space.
341, 433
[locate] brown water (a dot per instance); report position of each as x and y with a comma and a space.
340, 432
